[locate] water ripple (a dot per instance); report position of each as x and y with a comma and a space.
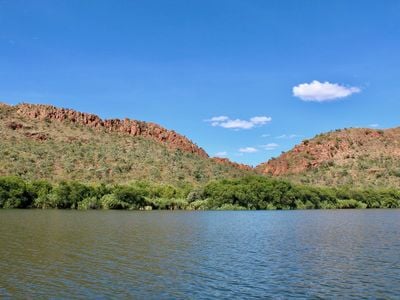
202, 255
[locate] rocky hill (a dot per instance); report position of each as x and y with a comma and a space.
42, 141
126, 126
355, 156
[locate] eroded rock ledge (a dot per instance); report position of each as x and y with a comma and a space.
130, 127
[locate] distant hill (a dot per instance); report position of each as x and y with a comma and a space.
356, 156
46, 142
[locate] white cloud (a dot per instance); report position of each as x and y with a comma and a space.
221, 154
320, 92
226, 122
288, 136
373, 125
270, 146
236, 124
248, 150
265, 135
262, 120
219, 119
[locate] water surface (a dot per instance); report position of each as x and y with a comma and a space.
153, 255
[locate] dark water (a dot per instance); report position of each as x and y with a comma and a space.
153, 255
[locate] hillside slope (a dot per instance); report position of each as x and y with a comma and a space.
357, 156
45, 142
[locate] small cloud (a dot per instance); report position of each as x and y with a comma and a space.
248, 150
270, 146
265, 135
323, 91
288, 136
373, 125
226, 122
236, 124
219, 119
221, 154
262, 120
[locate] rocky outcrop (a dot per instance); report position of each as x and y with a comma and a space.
14, 125
335, 148
226, 161
38, 136
126, 126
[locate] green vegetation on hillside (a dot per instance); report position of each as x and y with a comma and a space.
56, 151
364, 172
355, 157
252, 192
64, 164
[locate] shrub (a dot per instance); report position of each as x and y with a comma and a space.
199, 205
14, 193
111, 201
165, 203
350, 203
89, 203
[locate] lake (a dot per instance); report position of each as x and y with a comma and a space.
213, 254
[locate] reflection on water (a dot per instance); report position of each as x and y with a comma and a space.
326, 254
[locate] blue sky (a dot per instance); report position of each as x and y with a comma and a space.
183, 63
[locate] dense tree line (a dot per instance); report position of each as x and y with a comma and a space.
256, 192
252, 192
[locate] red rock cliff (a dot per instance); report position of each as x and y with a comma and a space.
127, 126
335, 147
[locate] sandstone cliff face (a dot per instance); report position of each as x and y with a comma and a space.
336, 147
126, 126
